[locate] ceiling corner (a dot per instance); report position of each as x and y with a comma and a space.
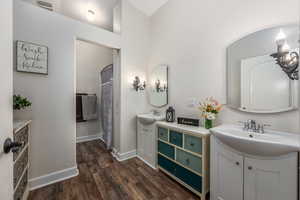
148, 7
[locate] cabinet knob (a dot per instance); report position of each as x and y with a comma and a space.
237, 163
192, 144
250, 168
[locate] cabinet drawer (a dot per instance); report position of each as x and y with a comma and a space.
20, 166
19, 193
189, 160
166, 149
193, 144
163, 134
189, 178
166, 164
176, 138
181, 173
22, 137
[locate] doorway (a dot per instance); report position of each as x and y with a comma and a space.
95, 86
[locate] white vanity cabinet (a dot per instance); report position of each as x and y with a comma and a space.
240, 177
227, 173
146, 143
146, 137
271, 179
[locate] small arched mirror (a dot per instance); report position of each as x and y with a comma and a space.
158, 86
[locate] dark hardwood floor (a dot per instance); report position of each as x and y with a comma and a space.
101, 177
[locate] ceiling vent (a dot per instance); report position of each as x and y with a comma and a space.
45, 5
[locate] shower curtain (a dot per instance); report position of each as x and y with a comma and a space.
107, 105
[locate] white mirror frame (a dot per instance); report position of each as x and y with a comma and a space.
227, 75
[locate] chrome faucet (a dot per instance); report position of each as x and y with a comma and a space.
251, 125
261, 128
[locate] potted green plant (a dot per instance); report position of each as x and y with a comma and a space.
20, 102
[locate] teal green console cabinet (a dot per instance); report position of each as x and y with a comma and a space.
183, 154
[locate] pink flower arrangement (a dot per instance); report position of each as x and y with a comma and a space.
210, 108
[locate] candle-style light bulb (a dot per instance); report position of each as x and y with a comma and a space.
285, 47
280, 38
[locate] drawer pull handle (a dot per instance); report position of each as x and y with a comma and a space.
192, 144
250, 168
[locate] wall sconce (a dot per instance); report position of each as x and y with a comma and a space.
287, 60
137, 85
160, 88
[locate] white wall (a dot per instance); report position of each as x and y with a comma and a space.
117, 80
77, 9
90, 60
117, 18
134, 59
53, 96
192, 38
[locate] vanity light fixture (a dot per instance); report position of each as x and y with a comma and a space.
90, 15
137, 85
286, 59
160, 88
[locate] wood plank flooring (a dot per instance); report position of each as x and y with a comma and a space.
101, 177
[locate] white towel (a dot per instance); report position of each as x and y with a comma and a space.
89, 107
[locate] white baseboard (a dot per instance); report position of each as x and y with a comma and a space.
114, 153
153, 167
123, 156
101, 138
128, 155
88, 138
53, 177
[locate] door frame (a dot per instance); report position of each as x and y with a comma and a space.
6, 98
116, 88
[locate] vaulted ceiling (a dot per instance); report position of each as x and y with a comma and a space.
149, 7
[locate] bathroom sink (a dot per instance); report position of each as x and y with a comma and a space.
150, 118
270, 143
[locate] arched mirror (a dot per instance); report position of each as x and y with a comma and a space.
158, 87
262, 71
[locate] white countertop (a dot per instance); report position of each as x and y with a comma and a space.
193, 129
19, 124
